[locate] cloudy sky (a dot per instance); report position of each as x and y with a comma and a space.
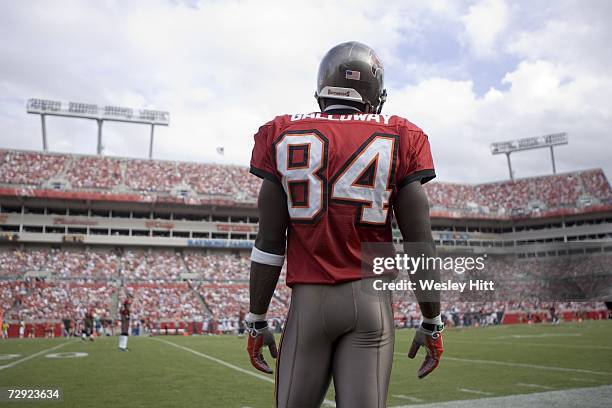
468, 73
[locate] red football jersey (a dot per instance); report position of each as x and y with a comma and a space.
341, 173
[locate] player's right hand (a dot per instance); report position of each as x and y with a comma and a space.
259, 337
432, 342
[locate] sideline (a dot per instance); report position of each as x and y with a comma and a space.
595, 397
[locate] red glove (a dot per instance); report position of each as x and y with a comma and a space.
260, 337
432, 341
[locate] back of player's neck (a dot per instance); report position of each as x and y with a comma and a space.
341, 109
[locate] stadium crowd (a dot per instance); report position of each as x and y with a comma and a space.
16, 262
82, 264
94, 172
157, 176
596, 184
529, 287
219, 291
151, 265
227, 300
163, 302
218, 267
553, 191
41, 300
29, 168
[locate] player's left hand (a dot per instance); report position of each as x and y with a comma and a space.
432, 342
259, 338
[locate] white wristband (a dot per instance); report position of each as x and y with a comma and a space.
435, 320
266, 258
252, 317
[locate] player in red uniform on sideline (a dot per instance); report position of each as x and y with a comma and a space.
330, 181
125, 325
88, 323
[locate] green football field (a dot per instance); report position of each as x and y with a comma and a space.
213, 371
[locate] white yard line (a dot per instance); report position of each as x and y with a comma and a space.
583, 379
477, 392
538, 336
216, 360
408, 398
523, 365
31, 356
229, 365
542, 387
548, 345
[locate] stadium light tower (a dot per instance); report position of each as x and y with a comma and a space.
44, 107
529, 143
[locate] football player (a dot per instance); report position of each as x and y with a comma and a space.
88, 325
331, 180
125, 325
5, 328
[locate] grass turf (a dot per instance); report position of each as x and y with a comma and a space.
525, 359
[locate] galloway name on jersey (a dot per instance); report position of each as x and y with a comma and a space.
364, 117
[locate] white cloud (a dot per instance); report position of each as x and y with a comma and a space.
577, 42
484, 22
221, 69
561, 84
542, 98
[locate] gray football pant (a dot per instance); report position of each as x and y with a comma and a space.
336, 332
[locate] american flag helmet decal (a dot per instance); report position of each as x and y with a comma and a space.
352, 75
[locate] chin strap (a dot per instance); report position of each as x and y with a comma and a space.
382, 100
